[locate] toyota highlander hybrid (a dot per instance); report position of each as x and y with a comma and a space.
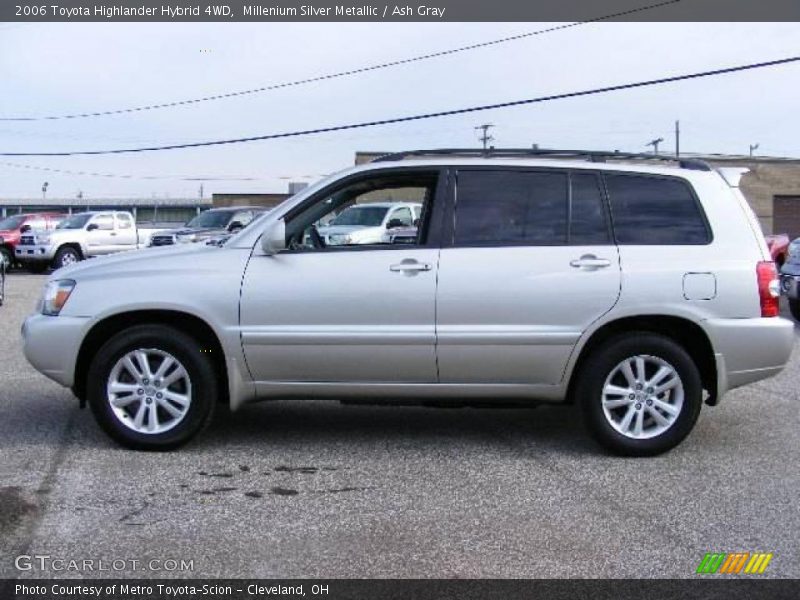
636, 290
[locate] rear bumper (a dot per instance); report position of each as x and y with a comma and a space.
748, 350
51, 345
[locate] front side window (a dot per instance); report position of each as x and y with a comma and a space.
104, 222
211, 219
655, 210
12, 223
511, 208
368, 212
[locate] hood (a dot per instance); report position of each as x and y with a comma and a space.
340, 229
201, 232
180, 258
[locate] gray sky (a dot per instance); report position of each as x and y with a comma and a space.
54, 68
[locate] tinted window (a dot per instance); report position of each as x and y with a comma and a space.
587, 223
511, 207
651, 210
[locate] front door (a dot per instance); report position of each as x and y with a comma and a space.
101, 235
530, 265
350, 312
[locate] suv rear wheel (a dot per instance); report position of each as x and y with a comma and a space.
151, 388
641, 394
794, 308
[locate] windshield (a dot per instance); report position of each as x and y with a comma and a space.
211, 219
11, 223
74, 222
368, 216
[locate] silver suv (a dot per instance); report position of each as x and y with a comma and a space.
634, 290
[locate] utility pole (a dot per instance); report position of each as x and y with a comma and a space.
485, 137
655, 144
201, 192
677, 139
752, 148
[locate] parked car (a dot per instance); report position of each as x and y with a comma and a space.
209, 224
369, 223
12, 227
524, 290
790, 278
81, 235
778, 245
404, 235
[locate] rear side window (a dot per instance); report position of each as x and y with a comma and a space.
652, 211
511, 208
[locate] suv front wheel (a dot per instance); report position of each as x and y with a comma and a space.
641, 394
151, 387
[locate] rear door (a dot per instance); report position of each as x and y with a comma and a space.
530, 265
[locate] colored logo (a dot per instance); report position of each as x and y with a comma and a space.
734, 563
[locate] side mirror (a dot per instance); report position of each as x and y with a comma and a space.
394, 224
25, 229
235, 225
92, 226
273, 240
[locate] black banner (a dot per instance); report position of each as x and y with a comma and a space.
417, 11
405, 589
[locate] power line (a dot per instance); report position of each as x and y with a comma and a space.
419, 117
348, 73
145, 177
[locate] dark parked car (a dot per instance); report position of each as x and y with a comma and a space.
209, 224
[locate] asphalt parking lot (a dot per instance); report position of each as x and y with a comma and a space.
322, 490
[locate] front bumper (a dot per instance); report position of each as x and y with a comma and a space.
34, 253
51, 345
748, 350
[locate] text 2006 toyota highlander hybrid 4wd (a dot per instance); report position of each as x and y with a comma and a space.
633, 290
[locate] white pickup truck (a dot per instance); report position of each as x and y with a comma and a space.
82, 235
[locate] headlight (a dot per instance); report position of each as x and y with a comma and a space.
42, 239
56, 294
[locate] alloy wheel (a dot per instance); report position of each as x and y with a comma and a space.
149, 391
642, 396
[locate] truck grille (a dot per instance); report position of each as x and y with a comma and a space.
162, 240
27, 240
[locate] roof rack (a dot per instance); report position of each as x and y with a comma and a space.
598, 156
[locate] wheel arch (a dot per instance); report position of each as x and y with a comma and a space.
74, 245
685, 332
188, 323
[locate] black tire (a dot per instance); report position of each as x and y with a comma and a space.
66, 253
36, 267
6, 257
188, 352
794, 308
599, 366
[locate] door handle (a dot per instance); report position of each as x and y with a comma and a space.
113, 233
409, 266
590, 262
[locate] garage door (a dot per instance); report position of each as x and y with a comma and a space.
786, 215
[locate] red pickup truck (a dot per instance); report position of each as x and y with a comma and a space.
778, 245
12, 227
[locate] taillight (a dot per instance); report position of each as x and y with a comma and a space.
768, 288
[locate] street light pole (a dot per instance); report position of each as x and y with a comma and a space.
752, 148
655, 144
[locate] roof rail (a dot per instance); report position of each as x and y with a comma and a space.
598, 156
